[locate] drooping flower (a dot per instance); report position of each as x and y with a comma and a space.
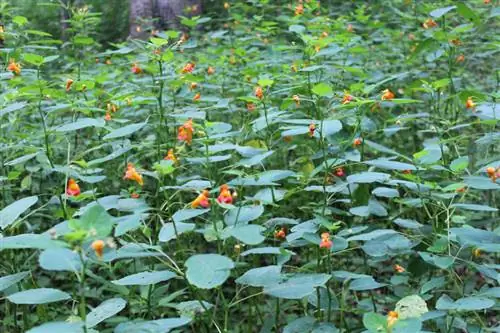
226, 5
280, 233
296, 99
460, 58
340, 172
312, 129
392, 317
225, 195
136, 69
347, 98
171, 156
210, 70
350, 28
387, 95
14, 67
108, 62
111, 107
325, 243
357, 142
185, 132
250, 106
469, 104
196, 97
188, 68
299, 9
69, 82
429, 23
132, 174
202, 200
493, 173
324, 34
98, 247
107, 117
193, 85
259, 93
399, 269
72, 189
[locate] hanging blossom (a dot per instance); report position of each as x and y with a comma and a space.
387, 95
312, 129
132, 174
225, 195
98, 247
69, 83
469, 103
185, 132
203, 200
171, 156
325, 243
259, 93
280, 233
14, 67
72, 189
136, 69
188, 68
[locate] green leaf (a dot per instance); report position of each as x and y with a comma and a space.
208, 271
442, 262
297, 286
390, 165
474, 207
95, 220
265, 82
368, 177
375, 322
11, 213
468, 13
365, 283
473, 303
20, 20
104, 311
412, 306
10, 280
152, 326
437, 13
248, 234
33, 59
79, 124
21, 160
187, 214
124, 131
480, 183
60, 260
13, 107
323, 90
58, 327
243, 214
261, 276
300, 325
145, 278
168, 231
459, 164
433, 283
408, 325
29, 241
38, 296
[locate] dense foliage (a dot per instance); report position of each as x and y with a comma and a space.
277, 168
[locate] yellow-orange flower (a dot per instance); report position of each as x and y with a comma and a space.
299, 9
250, 106
280, 234
387, 95
347, 98
296, 99
72, 189
202, 200
357, 142
324, 34
399, 268
392, 317
69, 82
294, 68
196, 97
225, 195
132, 174
98, 247
136, 69
210, 70
108, 62
111, 107
193, 85
469, 104
259, 93
460, 58
312, 129
107, 117
325, 243
171, 156
476, 252
429, 23
188, 68
14, 67
350, 27
185, 132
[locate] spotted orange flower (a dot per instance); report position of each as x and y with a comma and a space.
98, 247
107, 117
196, 97
490, 171
136, 69
460, 58
14, 67
280, 234
392, 317
185, 132
357, 142
202, 200
171, 156
399, 268
250, 107
132, 174
259, 93
387, 95
72, 189
312, 129
325, 243
225, 195
188, 68
340, 172
429, 23
347, 98
296, 99
469, 104
210, 70
69, 82
299, 9
193, 85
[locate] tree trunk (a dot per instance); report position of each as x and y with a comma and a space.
141, 15
169, 10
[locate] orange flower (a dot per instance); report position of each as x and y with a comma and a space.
225, 195
69, 82
387, 95
460, 58
312, 129
340, 172
210, 70
171, 156
259, 93
461, 189
135, 195
193, 85
350, 28
226, 5
407, 171
399, 268
111, 107
357, 142
72, 189
188, 68
132, 174
197, 97
185, 132
490, 171
202, 200
325, 243
486, 2
98, 247
347, 98
107, 117
392, 317
136, 69
280, 234
456, 42
469, 104
299, 9
287, 138
429, 23
324, 34
14, 67
296, 99
250, 107
108, 62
